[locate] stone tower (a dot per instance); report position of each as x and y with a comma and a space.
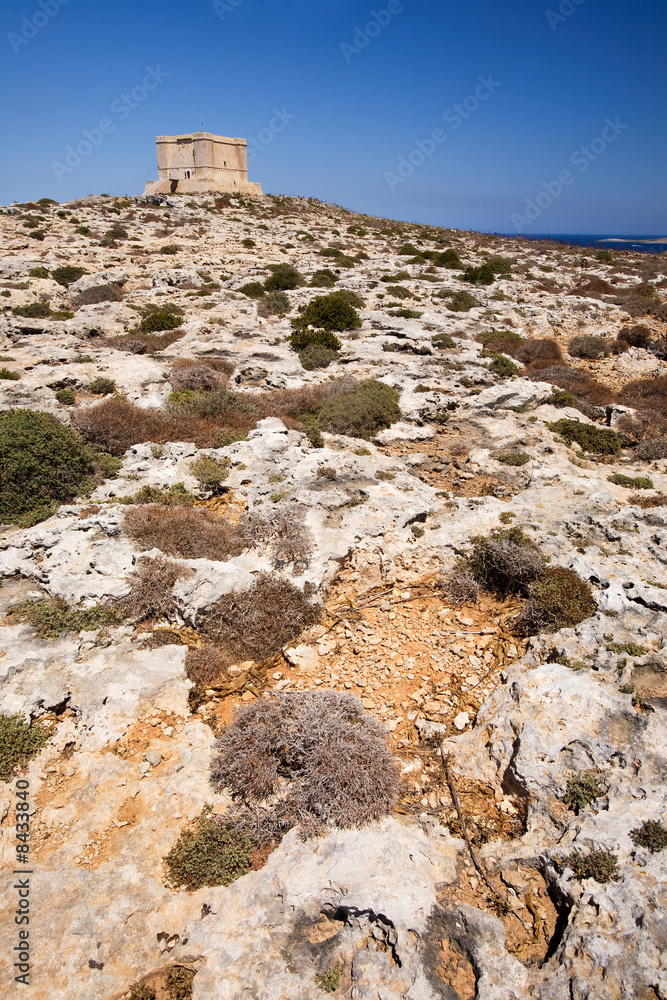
200, 162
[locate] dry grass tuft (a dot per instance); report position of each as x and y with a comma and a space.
317, 757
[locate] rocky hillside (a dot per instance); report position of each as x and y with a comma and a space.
253, 452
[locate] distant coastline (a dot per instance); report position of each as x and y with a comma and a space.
642, 244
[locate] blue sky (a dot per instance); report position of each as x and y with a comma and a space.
360, 88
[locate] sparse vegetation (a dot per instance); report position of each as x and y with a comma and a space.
651, 835
558, 599
210, 472
151, 588
8, 375
54, 616
459, 301
209, 854
20, 741
587, 346
66, 397
274, 304
583, 790
329, 981
517, 458
503, 367
66, 276
602, 866
630, 482
284, 278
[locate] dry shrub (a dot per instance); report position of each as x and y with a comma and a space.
636, 336
255, 623
183, 532
460, 587
316, 759
645, 427
588, 346
646, 394
284, 530
538, 351
195, 375
652, 450
593, 287
139, 342
309, 398
115, 424
581, 384
152, 583
505, 562
206, 666
232, 410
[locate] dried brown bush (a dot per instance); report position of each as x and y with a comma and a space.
152, 583
284, 530
138, 342
593, 287
505, 562
184, 532
636, 336
588, 346
538, 351
581, 384
646, 394
255, 623
206, 666
115, 424
195, 376
460, 587
316, 759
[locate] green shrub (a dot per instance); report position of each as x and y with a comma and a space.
362, 413
478, 275
175, 495
274, 304
399, 292
54, 616
209, 854
19, 742
315, 356
513, 458
83, 230
8, 375
166, 318
561, 398
630, 483
328, 312
284, 278
631, 648
448, 258
38, 272
33, 310
66, 276
408, 250
210, 472
66, 397
37, 234
302, 339
498, 340
499, 265
503, 366
405, 313
583, 790
651, 835
248, 242
558, 599
323, 279
605, 256
443, 341
170, 249
587, 436
41, 463
599, 865
102, 386
253, 289
461, 302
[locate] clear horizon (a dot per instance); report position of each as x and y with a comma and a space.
549, 118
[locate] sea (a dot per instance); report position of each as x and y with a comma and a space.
643, 244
